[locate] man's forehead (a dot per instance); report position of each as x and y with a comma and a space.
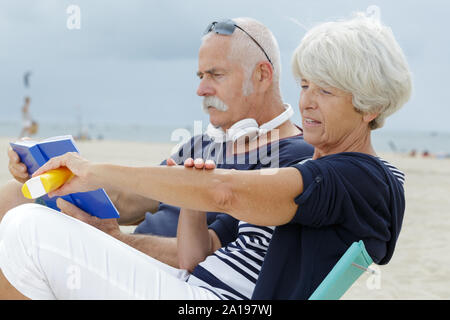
210, 63
216, 40
214, 54
215, 46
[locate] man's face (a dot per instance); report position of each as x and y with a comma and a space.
223, 79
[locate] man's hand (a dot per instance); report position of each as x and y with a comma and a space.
109, 226
17, 169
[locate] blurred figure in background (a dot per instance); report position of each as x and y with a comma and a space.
29, 126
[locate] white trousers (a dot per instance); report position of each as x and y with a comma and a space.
46, 254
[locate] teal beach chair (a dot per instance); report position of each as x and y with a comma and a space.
346, 271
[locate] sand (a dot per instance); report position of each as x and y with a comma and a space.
420, 267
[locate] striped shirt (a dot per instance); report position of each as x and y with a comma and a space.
396, 172
232, 271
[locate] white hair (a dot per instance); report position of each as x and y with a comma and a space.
248, 54
359, 56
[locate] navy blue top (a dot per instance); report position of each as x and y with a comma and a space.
282, 153
346, 197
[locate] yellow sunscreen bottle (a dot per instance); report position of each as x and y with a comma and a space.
46, 182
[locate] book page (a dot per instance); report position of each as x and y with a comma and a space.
30, 142
26, 143
56, 138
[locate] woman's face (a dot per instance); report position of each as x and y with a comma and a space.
330, 122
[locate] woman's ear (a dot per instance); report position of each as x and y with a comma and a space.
368, 117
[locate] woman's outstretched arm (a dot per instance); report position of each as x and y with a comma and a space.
253, 196
261, 197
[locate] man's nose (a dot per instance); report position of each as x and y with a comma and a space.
205, 89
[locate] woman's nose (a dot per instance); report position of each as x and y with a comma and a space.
308, 100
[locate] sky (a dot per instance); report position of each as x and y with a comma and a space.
136, 61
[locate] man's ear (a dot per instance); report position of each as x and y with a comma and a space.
264, 74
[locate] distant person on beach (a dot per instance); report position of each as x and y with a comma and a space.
239, 77
353, 75
29, 126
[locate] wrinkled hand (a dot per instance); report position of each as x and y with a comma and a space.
80, 182
109, 226
198, 163
17, 169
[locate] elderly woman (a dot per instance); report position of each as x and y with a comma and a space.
353, 75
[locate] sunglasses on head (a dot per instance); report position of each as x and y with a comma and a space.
227, 27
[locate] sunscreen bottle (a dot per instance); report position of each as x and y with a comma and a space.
46, 182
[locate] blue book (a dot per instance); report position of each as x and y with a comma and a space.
34, 154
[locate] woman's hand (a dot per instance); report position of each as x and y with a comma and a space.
81, 169
198, 163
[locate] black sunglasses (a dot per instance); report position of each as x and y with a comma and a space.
227, 27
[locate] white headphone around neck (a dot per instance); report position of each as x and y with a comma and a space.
248, 127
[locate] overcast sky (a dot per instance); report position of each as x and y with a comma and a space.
135, 61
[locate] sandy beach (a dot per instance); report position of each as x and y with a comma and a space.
419, 268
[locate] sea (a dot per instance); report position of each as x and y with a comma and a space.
431, 142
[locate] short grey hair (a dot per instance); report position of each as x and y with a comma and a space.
248, 54
359, 56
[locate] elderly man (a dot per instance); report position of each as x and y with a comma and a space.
239, 70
